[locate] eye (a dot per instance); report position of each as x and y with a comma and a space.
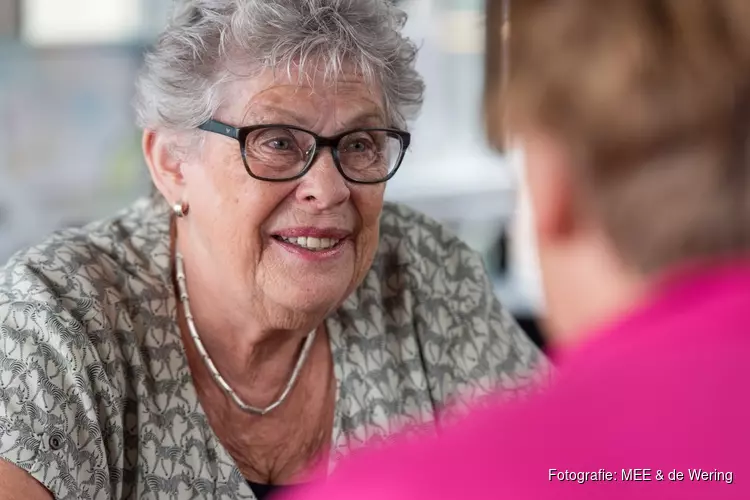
281, 143
273, 139
360, 143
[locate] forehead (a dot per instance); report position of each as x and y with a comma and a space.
309, 95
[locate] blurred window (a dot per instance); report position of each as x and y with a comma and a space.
76, 22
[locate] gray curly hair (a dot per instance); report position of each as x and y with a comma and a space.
180, 84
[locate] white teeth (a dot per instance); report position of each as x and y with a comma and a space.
312, 243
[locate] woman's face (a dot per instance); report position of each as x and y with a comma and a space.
255, 235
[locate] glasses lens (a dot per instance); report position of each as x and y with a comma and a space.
278, 153
370, 155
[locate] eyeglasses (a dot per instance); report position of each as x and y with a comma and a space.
279, 153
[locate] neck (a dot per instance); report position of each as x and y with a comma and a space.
590, 293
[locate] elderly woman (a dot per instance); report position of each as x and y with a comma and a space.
273, 314
635, 119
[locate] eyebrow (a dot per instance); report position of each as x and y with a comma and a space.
368, 118
260, 114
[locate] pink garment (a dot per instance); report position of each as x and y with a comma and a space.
664, 389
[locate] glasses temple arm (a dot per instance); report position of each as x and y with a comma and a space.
220, 128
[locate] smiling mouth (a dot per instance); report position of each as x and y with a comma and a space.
310, 243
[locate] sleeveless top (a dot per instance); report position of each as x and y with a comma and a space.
96, 396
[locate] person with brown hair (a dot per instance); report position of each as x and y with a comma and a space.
634, 120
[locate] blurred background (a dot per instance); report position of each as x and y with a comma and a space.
70, 153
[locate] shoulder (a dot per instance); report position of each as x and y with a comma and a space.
70, 296
62, 303
81, 268
435, 262
65, 300
471, 344
452, 291
413, 234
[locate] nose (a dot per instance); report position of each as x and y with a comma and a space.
323, 186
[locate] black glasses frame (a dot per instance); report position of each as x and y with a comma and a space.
241, 133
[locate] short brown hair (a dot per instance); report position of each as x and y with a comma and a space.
653, 99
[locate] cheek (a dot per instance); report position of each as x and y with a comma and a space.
216, 181
229, 206
368, 201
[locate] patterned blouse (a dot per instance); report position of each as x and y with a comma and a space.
97, 400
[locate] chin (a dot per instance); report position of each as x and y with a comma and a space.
307, 300
308, 286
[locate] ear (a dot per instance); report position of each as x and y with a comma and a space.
549, 179
164, 164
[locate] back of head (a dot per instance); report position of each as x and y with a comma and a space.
652, 100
